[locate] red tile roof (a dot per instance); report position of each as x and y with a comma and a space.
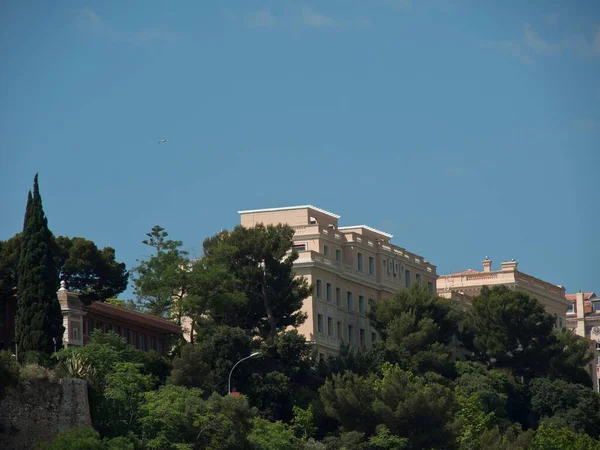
465, 272
134, 317
586, 296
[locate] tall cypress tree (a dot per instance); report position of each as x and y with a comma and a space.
39, 318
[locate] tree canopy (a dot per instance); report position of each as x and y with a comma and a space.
38, 322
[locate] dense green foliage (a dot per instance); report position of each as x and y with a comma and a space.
9, 370
38, 323
92, 273
517, 384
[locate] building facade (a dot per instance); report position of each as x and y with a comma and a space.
583, 318
466, 284
143, 331
348, 266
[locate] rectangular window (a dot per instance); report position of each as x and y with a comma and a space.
319, 289
299, 247
134, 339
595, 306
117, 330
338, 255
90, 326
330, 326
361, 334
74, 334
430, 287
160, 346
320, 323
142, 342
389, 269
126, 335
338, 296
373, 337
339, 330
349, 301
371, 265
107, 328
361, 304
326, 250
571, 308
151, 342
350, 334
418, 279
328, 291
407, 278
384, 266
359, 262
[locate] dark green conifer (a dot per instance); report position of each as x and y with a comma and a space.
39, 317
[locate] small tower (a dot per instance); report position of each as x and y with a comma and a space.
72, 312
487, 264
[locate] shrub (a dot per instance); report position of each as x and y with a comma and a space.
9, 370
36, 372
33, 357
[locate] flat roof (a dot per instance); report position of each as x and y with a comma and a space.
290, 208
366, 227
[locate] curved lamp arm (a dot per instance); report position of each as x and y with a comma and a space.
235, 365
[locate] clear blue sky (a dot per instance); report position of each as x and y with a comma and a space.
464, 128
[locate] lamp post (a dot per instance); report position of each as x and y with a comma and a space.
234, 366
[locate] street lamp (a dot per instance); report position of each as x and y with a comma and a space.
234, 366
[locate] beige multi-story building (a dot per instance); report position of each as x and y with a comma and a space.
348, 266
583, 318
468, 283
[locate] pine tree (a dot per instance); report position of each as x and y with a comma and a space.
39, 317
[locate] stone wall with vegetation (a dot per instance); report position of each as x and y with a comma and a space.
37, 410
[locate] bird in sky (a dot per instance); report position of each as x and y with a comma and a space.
162, 141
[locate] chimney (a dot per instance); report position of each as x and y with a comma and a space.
580, 305
509, 266
487, 264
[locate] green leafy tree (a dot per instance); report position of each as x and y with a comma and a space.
384, 440
125, 387
361, 361
572, 356
416, 328
162, 280
282, 376
512, 331
10, 252
92, 273
206, 364
349, 399
513, 438
346, 440
86, 438
176, 418
267, 435
303, 422
472, 419
551, 437
496, 391
168, 418
567, 405
258, 258
414, 407
38, 322
213, 296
